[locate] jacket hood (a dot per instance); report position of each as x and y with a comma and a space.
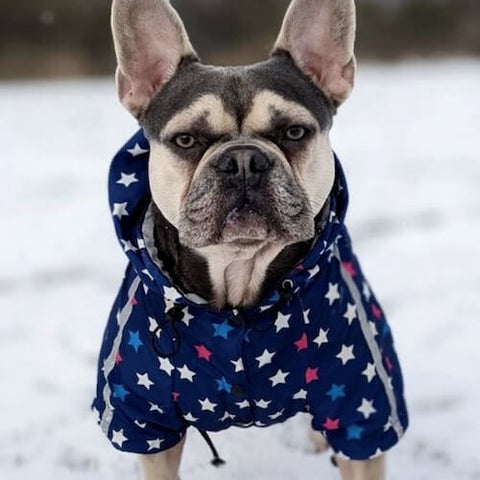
130, 201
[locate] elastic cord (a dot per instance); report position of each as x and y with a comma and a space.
217, 460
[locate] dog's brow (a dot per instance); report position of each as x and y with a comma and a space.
208, 108
268, 104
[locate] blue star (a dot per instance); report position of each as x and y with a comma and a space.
386, 329
274, 298
224, 385
354, 432
247, 335
337, 391
120, 392
222, 329
134, 340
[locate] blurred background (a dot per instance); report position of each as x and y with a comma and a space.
67, 38
409, 141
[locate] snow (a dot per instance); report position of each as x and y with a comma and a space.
409, 142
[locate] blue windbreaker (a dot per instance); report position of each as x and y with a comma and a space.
318, 343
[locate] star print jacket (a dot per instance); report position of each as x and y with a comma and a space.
318, 343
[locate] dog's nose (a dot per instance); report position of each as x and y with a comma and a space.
244, 164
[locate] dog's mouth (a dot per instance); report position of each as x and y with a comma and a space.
245, 227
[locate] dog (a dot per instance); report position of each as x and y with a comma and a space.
243, 303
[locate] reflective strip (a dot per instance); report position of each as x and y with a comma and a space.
372, 345
109, 363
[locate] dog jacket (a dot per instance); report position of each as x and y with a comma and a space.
318, 343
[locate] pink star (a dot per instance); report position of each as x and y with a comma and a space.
203, 352
349, 268
389, 364
377, 313
311, 375
302, 344
300, 267
118, 358
175, 396
331, 424
134, 301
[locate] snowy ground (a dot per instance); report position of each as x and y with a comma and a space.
409, 139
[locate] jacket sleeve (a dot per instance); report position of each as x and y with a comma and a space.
134, 399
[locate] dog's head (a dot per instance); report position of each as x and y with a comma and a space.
240, 156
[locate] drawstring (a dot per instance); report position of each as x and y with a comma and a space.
173, 316
217, 460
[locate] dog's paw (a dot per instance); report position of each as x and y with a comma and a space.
297, 434
319, 442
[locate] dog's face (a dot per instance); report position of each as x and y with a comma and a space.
240, 156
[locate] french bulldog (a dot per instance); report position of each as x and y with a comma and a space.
242, 179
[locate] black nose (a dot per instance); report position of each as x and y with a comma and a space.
244, 164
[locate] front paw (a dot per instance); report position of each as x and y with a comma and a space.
319, 442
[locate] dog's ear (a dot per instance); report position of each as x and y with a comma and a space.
320, 37
150, 42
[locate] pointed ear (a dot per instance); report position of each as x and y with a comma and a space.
150, 42
320, 36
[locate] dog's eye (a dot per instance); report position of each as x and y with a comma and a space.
296, 133
185, 141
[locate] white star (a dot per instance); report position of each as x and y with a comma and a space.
258, 423
187, 317
170, 296
322, 337
140, 425
277, 415
145, 289
128, 246
367, 293
265, 358
141, 244
346, 354
262, 403
137, 150
154, 444
120, 210
127, 180
351, 313
366, 408
373, 328
166, 366
278, 378
306, 316
207, 405
119, 438
190, 418
238, 365
300, 395
377, 454
243, 404
313, 272
144, 381
282, 321
186, 373
333, 293
155, 408
370, 372
153, 325
227, 416
388, 425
